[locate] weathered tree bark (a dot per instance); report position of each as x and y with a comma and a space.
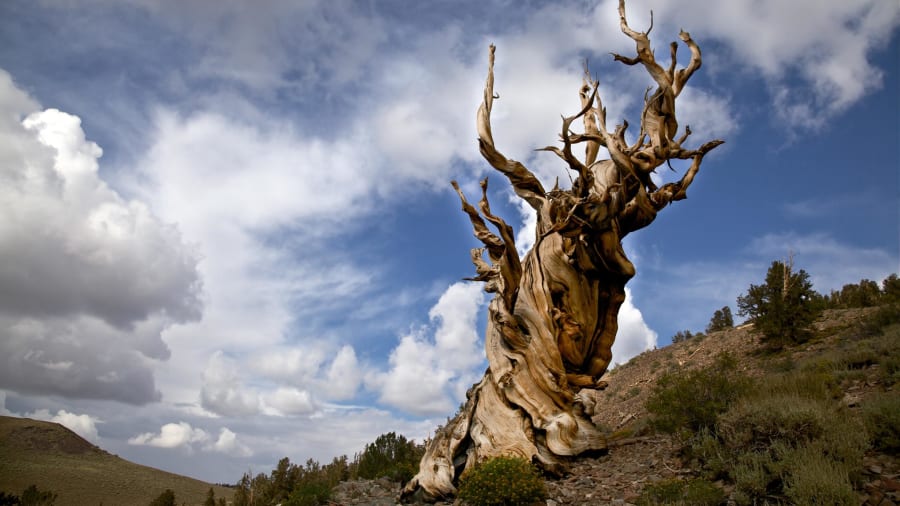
553, 319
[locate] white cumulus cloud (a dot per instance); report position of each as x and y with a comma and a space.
83, 425
344, 375
88, 279
228, 443
429, 374
634, 336
223, 390
172, 435
286, 401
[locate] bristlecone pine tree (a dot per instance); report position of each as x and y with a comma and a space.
553, 319
783, 308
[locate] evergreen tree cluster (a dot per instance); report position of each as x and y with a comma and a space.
721, 320
167, 498
684, 335
785, 305
866, 293
390, 455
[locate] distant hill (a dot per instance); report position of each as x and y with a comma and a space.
54, 458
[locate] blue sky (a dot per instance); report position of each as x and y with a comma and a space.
229, 235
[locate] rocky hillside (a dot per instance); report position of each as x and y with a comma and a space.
638, 457
631, 383
56, 459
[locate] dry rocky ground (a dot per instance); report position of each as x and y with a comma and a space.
636, 458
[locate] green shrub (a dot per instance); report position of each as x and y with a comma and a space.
502, 481
810, 384
755, 424
785, 364
167, 498
707, 454
693, 400
311, 493
789, 445
883, 317
33, 496
210, 498
817, 480
882, 418
693, 492
755, 476
887, 345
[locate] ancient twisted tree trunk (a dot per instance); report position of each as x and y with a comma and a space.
553, 319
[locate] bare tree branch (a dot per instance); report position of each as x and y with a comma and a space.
524, 183
681, 78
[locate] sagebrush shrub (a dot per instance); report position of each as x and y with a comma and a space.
693, 400
882, 418
810, 383
817, 480
793, 446
502, 481
693, 492
755, 424
755, 476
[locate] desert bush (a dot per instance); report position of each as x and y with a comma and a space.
810, 384
755, 476
790, 446
758, 423
816, 480
693, 400
502, 481
882, 419
695, 492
